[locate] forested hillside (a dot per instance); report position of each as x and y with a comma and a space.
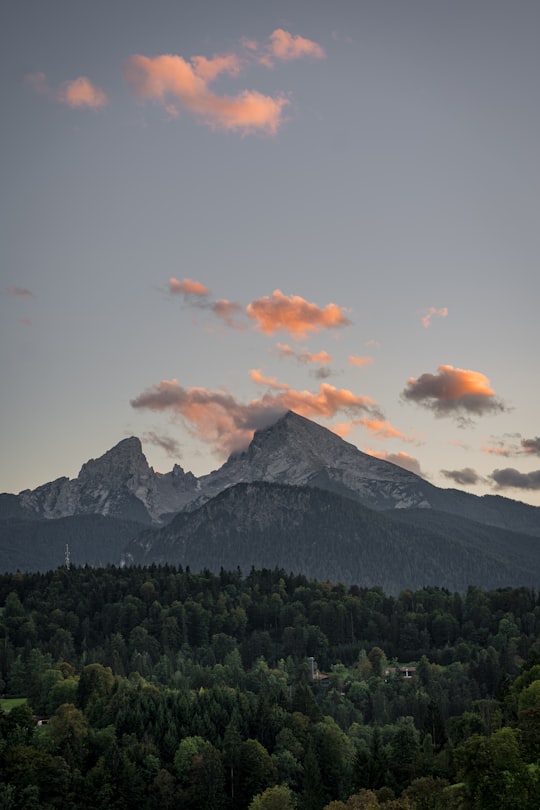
159, 688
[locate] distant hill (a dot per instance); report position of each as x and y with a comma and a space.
327, 536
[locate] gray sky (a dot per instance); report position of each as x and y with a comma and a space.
213, 212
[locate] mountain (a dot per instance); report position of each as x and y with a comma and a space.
327, 536
296, 450
318, 498
119, 484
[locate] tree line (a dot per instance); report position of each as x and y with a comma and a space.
155, 687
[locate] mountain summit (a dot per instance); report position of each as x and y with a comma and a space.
292, 451
299, 497
295, 450
118, 484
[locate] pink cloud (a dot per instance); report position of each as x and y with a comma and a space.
431, 313
294, 315
81, 92
76, 93
382, 429
210, 69
170, 80
270, 382
187, 287
359, 361
162, 77
286, 47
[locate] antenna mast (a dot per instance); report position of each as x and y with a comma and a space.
66, 557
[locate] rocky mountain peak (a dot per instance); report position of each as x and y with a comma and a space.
122, 461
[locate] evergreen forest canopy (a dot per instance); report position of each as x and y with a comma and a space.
153, 687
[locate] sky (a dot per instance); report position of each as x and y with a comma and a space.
214, 212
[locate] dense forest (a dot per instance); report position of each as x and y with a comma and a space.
153, 687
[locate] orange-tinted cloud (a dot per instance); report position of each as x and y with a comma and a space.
77, 93
401, 459
219, 419
286, 47
307, 358
170, 80
82, 93
270, 382
431, 313
187, 287
168, 76
210, 69
359, 361
453, 391
382, 429
341, 429
293, 314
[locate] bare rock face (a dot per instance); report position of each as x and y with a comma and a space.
118, 484
297, 451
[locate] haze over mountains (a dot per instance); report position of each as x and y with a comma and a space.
299, 498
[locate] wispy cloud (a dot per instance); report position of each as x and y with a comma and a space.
270, 382
75, 93
453, 391
360, 361
167, 443
293, 314
465, 477
229, 312
304, 357
431, 313
512, 445
382, 429
187, 287
19, 292
512, 478
219, 419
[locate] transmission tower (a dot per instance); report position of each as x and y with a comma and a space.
66, 557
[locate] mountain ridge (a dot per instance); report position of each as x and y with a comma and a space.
298, 497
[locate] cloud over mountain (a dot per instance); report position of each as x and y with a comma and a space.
510, 477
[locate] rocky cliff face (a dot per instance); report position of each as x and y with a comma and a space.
118, 484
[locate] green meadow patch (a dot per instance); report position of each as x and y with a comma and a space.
7, 704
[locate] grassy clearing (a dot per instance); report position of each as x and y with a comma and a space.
7, 704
